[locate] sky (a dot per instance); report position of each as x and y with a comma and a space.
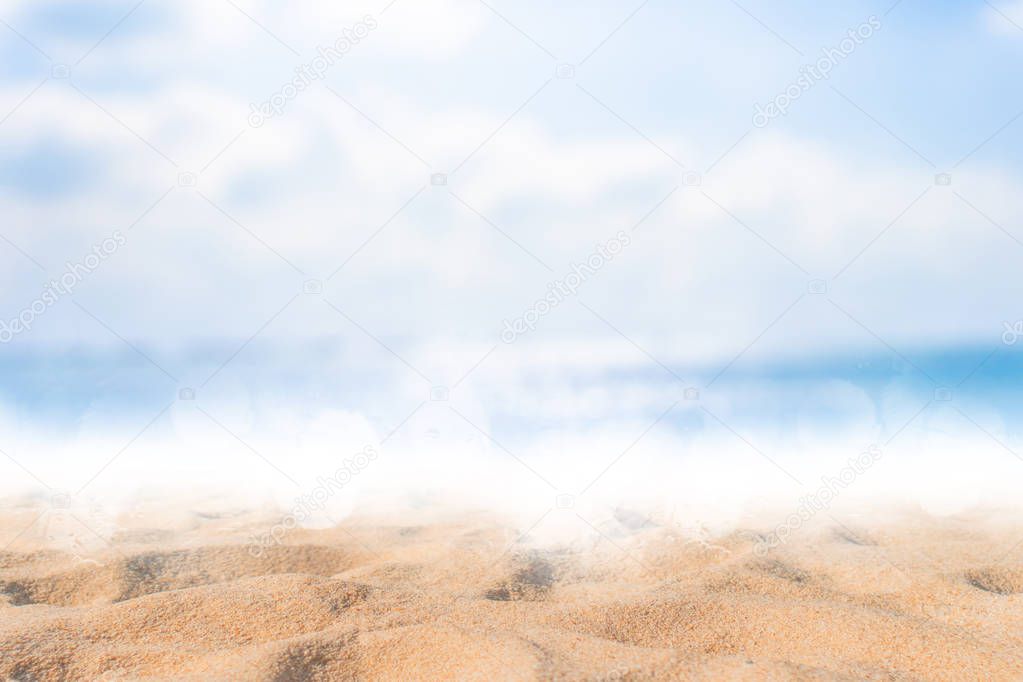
758, 236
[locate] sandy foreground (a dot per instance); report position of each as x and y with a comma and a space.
442, 595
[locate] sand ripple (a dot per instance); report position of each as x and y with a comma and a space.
467, 598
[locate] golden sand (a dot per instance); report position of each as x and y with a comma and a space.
465, 596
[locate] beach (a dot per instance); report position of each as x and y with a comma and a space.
464, 594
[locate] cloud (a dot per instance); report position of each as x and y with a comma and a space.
312, 190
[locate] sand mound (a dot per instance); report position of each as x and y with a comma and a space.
469, 598
158, 571
163, 628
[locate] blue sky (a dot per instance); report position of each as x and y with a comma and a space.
313, 266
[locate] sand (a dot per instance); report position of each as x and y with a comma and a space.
467, 595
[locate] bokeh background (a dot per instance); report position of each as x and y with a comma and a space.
281, 291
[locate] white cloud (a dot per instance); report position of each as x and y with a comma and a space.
558, 177
319, 181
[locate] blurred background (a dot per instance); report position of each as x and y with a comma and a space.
619, 249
